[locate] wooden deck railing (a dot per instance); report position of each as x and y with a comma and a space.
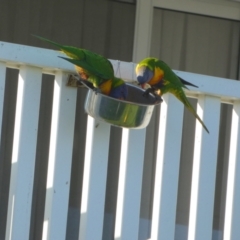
32, 63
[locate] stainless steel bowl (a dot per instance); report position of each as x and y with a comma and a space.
134, 112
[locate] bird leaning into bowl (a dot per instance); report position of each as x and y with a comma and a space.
162, 79
95, 69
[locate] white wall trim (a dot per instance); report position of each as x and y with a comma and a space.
143, 30
228, 10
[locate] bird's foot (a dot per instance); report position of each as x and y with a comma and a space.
158, 98
86, 83
73, 81
77, 81
151, 90
147, 92
97, 90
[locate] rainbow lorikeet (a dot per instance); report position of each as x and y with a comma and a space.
93, 68
162, 79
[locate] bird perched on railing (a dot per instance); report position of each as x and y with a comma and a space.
93, 68
162, 79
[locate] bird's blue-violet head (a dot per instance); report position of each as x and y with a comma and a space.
144, 74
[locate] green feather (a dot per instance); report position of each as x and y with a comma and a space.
182, 97
97, 66
91, 66
171, 83
117, 82
72, 52
96, 77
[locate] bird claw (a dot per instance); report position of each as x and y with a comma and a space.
86, 83
158, 98
150, 90
73, 81
76, 81
96, 90
147, 92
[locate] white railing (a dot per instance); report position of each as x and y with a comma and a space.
32, 62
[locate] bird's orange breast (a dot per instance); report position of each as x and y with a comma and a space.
157, 77
106, 87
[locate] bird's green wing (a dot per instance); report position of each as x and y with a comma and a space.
100, 64
169, 75
98, 72
92, 62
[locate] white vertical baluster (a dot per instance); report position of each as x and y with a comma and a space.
167, 169
2, 89
94, 180
60, 159
204, 170
23, 153
130, 184
232, 212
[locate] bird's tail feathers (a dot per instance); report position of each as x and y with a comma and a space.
187, 83
72, 52
182, 97
47, 40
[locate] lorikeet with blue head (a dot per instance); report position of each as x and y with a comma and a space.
162, 80
95, 69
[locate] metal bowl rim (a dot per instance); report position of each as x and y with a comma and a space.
124, 101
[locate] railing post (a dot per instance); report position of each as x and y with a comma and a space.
167, 169
23, 153
94, 180
130, 184
232, 211
204, 169
60, 159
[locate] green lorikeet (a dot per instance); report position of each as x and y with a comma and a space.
94, 68
161, 78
